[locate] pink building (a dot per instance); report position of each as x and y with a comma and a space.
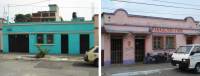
126, 38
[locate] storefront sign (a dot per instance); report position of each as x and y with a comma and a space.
167, 30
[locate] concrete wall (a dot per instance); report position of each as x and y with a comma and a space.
96, 31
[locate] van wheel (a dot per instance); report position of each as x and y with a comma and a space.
197, 68
96, 62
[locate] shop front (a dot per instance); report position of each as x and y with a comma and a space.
127, 39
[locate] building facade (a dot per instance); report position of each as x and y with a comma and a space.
47, 16
126, 38
70, 37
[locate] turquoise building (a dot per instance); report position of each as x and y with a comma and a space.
67, 37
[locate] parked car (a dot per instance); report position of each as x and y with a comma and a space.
187, 57
92, 56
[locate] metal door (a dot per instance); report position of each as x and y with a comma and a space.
139, 49
84, 43
19, 43
116, 50
64, 44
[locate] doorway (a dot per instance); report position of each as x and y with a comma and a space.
84, 43
139, 49
189, 40
64, 44
116, 50
19, 43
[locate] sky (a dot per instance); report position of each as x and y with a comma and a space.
87, 8
84, 8
157, 11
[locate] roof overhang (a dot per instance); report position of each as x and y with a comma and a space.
126, 29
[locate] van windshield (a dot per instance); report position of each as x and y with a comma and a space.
184, 49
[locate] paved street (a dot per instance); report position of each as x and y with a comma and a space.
164, 69
46, 68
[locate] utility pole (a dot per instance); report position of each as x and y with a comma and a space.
92, 8
8, 14
4, 12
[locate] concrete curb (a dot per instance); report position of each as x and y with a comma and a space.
47, 58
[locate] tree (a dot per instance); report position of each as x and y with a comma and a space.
22, 18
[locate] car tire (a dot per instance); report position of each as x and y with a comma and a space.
197, 68
182, 68
96, 62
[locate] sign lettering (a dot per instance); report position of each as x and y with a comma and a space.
167, 30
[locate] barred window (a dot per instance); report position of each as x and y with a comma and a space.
158, 42
49, 38
40, 38
45, 39
170, 42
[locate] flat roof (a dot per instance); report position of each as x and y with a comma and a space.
63, 22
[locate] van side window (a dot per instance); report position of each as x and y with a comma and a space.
196, 49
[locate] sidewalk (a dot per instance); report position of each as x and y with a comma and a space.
138, 67
26, 56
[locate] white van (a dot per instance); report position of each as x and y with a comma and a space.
187, 57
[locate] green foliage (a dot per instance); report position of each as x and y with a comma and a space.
41, 53
22, 18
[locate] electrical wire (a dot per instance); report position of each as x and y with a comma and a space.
151, 12
176, 3
143, 3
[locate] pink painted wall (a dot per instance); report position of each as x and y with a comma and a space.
128, 48
196, 40
121, 17
106, 47
148, 44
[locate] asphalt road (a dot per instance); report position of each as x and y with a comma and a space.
145, 70
46, 68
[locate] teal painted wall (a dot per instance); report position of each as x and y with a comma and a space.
73, 31
48, 28
5, 43
91, 40
74, 44
32, 42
